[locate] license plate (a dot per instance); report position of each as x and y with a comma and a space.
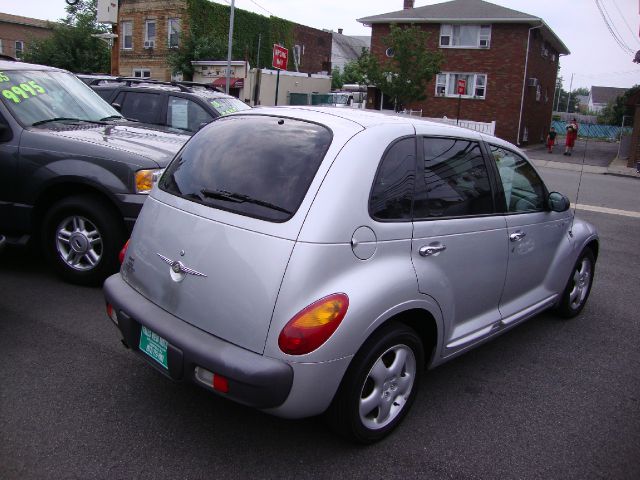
154, 345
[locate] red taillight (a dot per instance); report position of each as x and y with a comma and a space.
123, 252
312, 326
220, 383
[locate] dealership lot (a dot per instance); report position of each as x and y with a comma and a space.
550, 399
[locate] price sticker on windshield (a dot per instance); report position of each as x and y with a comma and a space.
4, 78
23, 91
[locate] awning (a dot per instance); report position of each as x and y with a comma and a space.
233, 82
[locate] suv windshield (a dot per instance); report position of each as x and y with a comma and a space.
225, 106
36, 96
253, 165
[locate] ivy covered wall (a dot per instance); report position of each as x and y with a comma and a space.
206, 30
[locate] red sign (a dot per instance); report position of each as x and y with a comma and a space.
462, 86
280, 57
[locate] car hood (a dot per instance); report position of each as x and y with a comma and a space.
155, 143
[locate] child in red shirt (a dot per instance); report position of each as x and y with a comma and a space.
572, 134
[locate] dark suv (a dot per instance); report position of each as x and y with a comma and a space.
73, 172
183, 105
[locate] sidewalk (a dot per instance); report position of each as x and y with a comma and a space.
597, 157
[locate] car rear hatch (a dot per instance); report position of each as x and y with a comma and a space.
212, 243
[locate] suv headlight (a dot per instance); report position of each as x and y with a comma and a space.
146, 179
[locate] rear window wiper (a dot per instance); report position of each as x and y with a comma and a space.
241, 198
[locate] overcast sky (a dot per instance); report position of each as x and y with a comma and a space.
596, 59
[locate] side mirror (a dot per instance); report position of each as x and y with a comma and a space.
558, 202
117, 106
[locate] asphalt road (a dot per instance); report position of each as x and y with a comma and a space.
552, 399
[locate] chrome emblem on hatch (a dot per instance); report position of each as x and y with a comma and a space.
178, 267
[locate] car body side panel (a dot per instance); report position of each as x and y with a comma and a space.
536, 260
378, 288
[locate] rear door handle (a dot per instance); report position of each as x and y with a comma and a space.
429, 250
517, 236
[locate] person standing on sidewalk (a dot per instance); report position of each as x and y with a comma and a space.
551, 139
572, 134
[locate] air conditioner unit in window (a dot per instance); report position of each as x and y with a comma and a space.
533, 82
150, 44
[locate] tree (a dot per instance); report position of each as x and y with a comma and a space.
336, 79
352, 73
71, 45
615, 110
403, 75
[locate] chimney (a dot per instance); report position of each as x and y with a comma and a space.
408, 4
340, 31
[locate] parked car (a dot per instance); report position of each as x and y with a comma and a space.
73, 172
319, 263
183, 105
95, 78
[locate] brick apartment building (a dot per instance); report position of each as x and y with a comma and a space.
148, 30
17, 32
509, 60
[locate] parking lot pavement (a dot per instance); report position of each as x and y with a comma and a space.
591, 155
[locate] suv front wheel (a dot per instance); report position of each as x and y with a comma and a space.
81, 238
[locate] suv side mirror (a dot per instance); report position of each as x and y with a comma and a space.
117, 106
558, 202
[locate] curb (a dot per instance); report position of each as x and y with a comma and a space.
612, 169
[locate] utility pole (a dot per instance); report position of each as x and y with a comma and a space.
569, 98
230, 46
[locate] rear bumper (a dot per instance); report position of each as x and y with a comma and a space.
254, 380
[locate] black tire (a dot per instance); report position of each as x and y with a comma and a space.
344, 413
578, 287
96, 236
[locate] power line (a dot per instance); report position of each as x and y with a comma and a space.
625, 48
613, 26
633, 35
260, 6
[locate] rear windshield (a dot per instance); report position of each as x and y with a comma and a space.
259, 166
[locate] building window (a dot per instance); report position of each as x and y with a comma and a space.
538, 92
475, 84
174, 29
465, 36
142, 73
150, 34
390, 52
1, 48
19, 48
126, 32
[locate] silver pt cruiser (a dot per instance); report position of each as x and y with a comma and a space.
309, 260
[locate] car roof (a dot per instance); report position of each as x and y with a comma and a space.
8, 65
364, 118
198, 90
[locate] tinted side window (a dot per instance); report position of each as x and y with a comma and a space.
456, 180
143, 107
392, 194
253, 165
523, 188
186, 114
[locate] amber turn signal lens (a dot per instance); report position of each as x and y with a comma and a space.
313, 326
145, 179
